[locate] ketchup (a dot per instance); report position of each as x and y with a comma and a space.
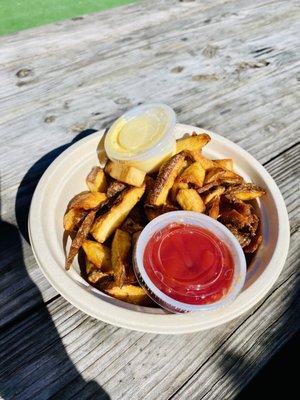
189, 264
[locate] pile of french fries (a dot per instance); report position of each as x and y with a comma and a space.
105, 221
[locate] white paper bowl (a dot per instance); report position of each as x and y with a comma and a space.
66, 176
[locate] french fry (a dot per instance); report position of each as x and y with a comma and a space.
224, 163
87, 200
192, 143
154, 211
213, 207
165, 180
100, 278
73, 218
222, 175
96, 180
190, 200
130, 293
81, 234
114, 188
125, 173
215, 193
97, 254
246, 191
194, 174
120, 249
176, 187
106, 224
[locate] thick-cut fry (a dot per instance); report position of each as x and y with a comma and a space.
98, 254
194, 174
105, 225
215, 193
96, 180
120, 249
224, 163
114, 188
125, 173
89, 267
192, 143
87, 200
246, 191
223, 175
177, 186
73, 218
165, 180
154, 211
190, 200
100, 278
130, 294
213, 207
82, 233
196, 156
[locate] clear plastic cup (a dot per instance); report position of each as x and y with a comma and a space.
198, 220
151, 153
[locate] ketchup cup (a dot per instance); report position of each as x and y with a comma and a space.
187, 261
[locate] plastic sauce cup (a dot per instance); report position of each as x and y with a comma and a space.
143, 137
197, 221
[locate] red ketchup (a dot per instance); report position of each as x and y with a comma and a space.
189, 264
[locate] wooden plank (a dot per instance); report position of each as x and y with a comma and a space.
133, 365
230, 66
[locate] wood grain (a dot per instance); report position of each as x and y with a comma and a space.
230, 66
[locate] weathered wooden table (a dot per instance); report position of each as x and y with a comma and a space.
231, 66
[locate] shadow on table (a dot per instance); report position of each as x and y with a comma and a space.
34, 363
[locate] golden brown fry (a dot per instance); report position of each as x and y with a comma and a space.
194, 174
165, 180
225, 163
73, 218
96, 180
87, 200
89, 267
120, 249
82, 233
190, 200
114, 188
214, 193
222, 175
246, 191
130, 294
177, 186
195, 142
196, 156
100, 278
98, 254
105, 225
213, 207
154, 211
125, 173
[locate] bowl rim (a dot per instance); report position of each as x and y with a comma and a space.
134, 319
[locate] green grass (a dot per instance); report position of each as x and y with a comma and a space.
22, 14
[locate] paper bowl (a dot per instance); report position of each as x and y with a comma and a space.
66, 177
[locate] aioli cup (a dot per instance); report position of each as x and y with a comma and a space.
150, 159
198, 220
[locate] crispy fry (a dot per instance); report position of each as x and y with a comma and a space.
154, 211
82, 233
89, 267
99, 277
105, 225
246, 191
120, 248
214, 193
190, 200
165, 180
196, 156
114, 188
225, 163
130, 226
194, 174
176, 187
98, 254
254, 244
130, 294
125, 173
87, 200
213, 207
96, 180
192, 143
223, 175
73, 218
243, 238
